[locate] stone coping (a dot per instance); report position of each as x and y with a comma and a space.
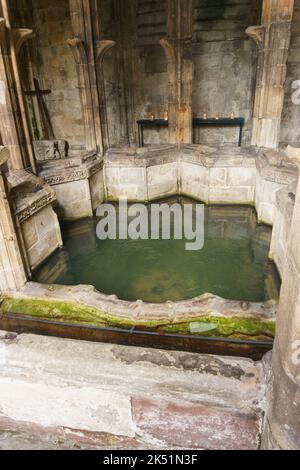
29, 194
70, 169
276, 167
206, 305
199, 154
272, 165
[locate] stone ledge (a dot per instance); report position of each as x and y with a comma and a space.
85, 305
29, 194
274, 166
199, 154
70, 169
218, 403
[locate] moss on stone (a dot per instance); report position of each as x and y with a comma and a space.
237, 326
69, 312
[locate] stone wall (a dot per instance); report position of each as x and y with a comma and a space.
41, 234
151, 83
36, 222
214, 175
224, 58
135, 71
54, 65
227, 179
78, 184
225, 63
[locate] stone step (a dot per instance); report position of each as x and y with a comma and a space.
110, 396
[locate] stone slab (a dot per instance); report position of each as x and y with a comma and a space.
105, 395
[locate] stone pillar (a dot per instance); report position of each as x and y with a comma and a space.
180, 70
88, 52
282, 426
12, 273
16, 130
272, 38
11, 131
125, 27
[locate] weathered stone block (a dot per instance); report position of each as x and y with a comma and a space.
50, 149
195, 425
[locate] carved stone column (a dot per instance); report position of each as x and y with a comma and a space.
12, 273
272, 38
125, 31
282, 429
16, 129
102, 48
180, 70
88, 52
80, 56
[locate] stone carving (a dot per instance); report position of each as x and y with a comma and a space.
36, 205
102, 48
65, 174
70, 176
50, 149
293, 154
20, 35
256, 33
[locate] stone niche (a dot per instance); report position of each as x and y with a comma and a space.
78, 184
36, 222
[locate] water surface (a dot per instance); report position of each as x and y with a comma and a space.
232, 264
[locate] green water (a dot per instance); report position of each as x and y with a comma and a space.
232, 264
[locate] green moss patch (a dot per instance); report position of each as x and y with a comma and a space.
237, 326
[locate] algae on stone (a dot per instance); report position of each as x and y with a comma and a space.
237, 326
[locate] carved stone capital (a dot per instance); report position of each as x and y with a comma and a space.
78, 49
4, 155
169, 49
257, 33
293, 154
102, 48
19, 36
2, 29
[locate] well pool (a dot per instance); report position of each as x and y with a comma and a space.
233, 263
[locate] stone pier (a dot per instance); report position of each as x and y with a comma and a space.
273, 39
282, 427
12, 271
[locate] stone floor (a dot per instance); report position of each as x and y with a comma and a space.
65, 394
